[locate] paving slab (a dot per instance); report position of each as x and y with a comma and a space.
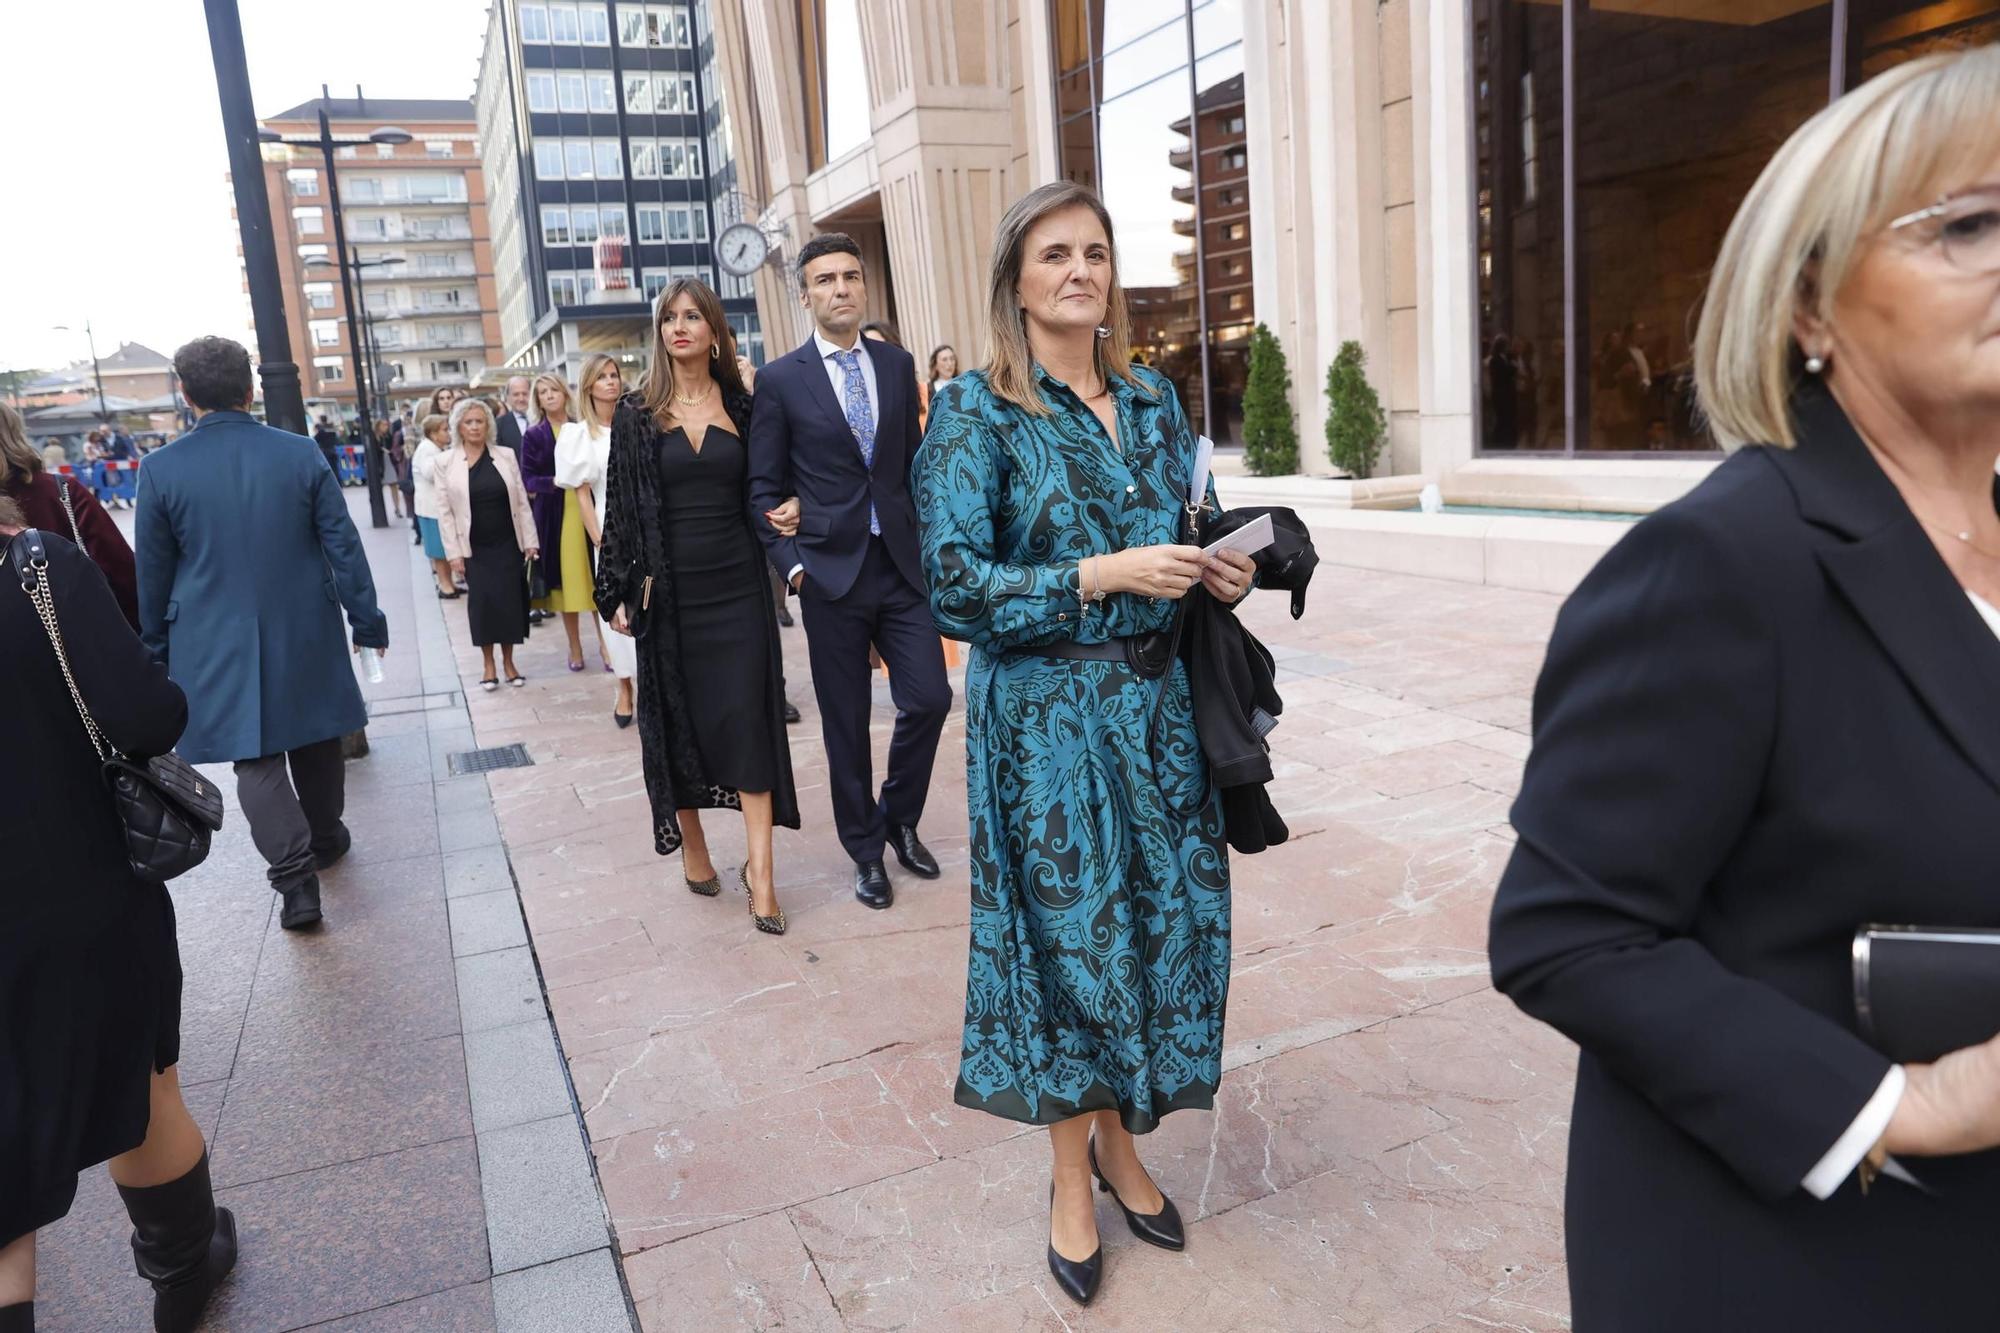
583, 1292
515, 1075
541, 1202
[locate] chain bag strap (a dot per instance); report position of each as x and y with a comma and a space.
168, 809
69, 507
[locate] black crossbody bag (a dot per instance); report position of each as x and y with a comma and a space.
169, 811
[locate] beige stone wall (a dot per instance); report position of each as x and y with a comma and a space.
948, 113
1359, 184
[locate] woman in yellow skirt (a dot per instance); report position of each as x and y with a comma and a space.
565, 564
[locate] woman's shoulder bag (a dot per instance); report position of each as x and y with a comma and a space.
169, 810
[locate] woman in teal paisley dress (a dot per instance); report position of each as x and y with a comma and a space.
1050, 491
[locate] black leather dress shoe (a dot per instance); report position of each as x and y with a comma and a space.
916, 857
301, 905
1162, 1228
1078, 1278
871, 885
791, 713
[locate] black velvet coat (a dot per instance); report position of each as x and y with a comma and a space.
90, 974
635, 548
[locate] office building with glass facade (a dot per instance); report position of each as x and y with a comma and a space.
1511, 205
611, 172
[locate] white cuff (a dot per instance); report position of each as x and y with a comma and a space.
795, 572
1853, 1145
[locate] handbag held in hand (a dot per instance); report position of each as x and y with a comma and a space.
169, 811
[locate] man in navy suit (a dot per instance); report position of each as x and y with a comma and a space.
246, 557
835, 424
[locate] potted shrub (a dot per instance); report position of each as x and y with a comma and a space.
1270, 438
1356, 426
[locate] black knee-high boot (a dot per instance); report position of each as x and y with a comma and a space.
18, 1318
182, 1243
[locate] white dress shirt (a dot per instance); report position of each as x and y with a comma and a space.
837, 376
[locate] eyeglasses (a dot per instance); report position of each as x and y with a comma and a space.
1967, 230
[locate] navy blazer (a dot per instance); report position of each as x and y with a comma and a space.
246, 556
800, 444
1767, 717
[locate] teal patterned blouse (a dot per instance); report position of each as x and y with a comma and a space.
1011, 502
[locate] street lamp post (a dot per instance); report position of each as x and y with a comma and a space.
355, 264
378, 509
371, 452
284, 402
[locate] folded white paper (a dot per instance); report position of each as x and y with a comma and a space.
1251, 538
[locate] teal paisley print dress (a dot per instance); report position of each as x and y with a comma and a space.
1099, 964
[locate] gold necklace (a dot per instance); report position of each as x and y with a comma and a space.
1964, 537
698, 399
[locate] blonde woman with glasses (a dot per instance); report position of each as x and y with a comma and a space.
1771, 717
583, 458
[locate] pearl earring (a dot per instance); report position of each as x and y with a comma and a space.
1815, 364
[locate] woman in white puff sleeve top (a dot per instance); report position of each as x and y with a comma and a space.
583, 456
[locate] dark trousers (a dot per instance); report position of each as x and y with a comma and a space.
883, 609
293, 815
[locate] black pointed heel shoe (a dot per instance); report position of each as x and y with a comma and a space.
1079, 1278
770, 925
1162, 1228
707, 888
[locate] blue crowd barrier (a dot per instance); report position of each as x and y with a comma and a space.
353, 472
108, 479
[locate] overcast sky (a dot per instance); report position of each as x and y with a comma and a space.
114, 206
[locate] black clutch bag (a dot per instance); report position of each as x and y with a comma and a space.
1921, 991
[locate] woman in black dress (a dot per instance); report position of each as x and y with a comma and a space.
90, 975
681, 570
489, 535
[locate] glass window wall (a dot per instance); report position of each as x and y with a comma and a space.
1606, 177
1164, 84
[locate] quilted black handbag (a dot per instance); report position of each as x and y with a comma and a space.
169, 810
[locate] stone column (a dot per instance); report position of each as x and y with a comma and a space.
944, 147
1314, 113
771, 126
1447, 327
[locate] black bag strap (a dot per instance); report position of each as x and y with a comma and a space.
31, 564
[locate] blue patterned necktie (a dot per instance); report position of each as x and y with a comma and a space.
860, 417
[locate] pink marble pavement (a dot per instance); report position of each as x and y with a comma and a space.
773, 1121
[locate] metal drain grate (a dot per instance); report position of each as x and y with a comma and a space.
485, 761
